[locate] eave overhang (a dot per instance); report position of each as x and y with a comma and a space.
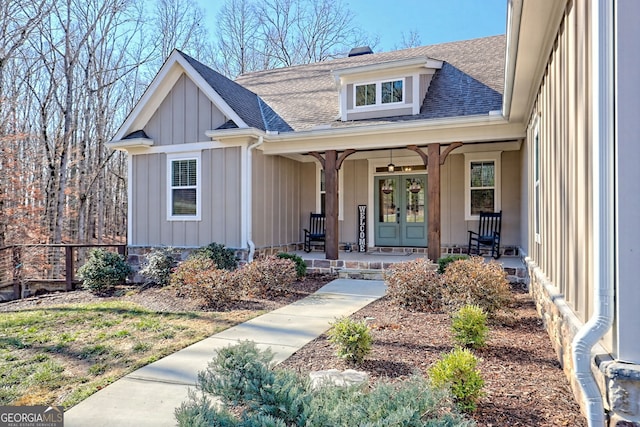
485, 128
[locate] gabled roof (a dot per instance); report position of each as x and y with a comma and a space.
242, 107
469, 83
253, 111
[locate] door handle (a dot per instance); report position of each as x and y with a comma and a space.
398, 215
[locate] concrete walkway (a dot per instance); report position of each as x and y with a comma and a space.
149, 396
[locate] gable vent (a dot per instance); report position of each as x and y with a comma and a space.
362, 50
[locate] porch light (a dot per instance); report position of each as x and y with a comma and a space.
391, 167
415, 186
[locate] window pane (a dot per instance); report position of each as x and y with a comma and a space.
184, 201
415, 200
482, 201
366, 94
392, 92
183, 173
482, 174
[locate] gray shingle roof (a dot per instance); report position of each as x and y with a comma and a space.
251, 109
470, 82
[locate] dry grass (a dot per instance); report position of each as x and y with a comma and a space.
61, 354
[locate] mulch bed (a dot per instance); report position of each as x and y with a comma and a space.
524, 383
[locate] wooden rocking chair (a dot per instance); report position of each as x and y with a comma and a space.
488, 234
315, 232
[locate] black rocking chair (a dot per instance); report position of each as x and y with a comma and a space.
315, 232
488, 234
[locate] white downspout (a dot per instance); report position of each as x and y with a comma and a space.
249, 196
602, 54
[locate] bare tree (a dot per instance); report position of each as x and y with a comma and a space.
18, 19
410, 40
256, 35
238, 38
180, 24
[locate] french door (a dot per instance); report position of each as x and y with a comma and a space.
400, 210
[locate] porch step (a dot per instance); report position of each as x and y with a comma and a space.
352, 273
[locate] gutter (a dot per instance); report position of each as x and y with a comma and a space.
514, 15
490, 119
249, 197
604, 255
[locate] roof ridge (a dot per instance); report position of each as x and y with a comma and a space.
373, 55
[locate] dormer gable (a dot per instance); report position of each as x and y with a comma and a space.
385, 89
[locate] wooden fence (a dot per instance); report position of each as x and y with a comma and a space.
47, 267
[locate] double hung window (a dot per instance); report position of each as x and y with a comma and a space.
183, 186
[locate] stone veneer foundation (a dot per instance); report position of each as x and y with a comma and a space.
619, 382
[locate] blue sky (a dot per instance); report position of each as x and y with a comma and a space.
436, 21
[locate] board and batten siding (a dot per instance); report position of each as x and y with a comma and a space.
564, 247
220, 219
277, 186
454, 227
183, 116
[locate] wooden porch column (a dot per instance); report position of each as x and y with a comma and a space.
433, 160
433, 197
331, 203
331, 163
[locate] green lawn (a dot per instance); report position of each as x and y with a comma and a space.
60, 355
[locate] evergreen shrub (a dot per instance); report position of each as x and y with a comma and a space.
242, 376
301, 266
224, 258
103, 270
352, 339
469, 327
159, 266
457, 372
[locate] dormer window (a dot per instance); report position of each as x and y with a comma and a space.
384, 89
378, 93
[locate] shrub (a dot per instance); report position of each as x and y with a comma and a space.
446, 260
415, 285
160, 264
242, 376
473, 281
198, 277
301, 266
103, 271
353, 339
267, 276
469, 327
224, 258
457, 372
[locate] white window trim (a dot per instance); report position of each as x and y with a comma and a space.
193, 155
379, 105
536, 182
493, 156
340, 192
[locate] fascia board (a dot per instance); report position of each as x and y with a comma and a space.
410, 63
127, 144
539, 25
390, 136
